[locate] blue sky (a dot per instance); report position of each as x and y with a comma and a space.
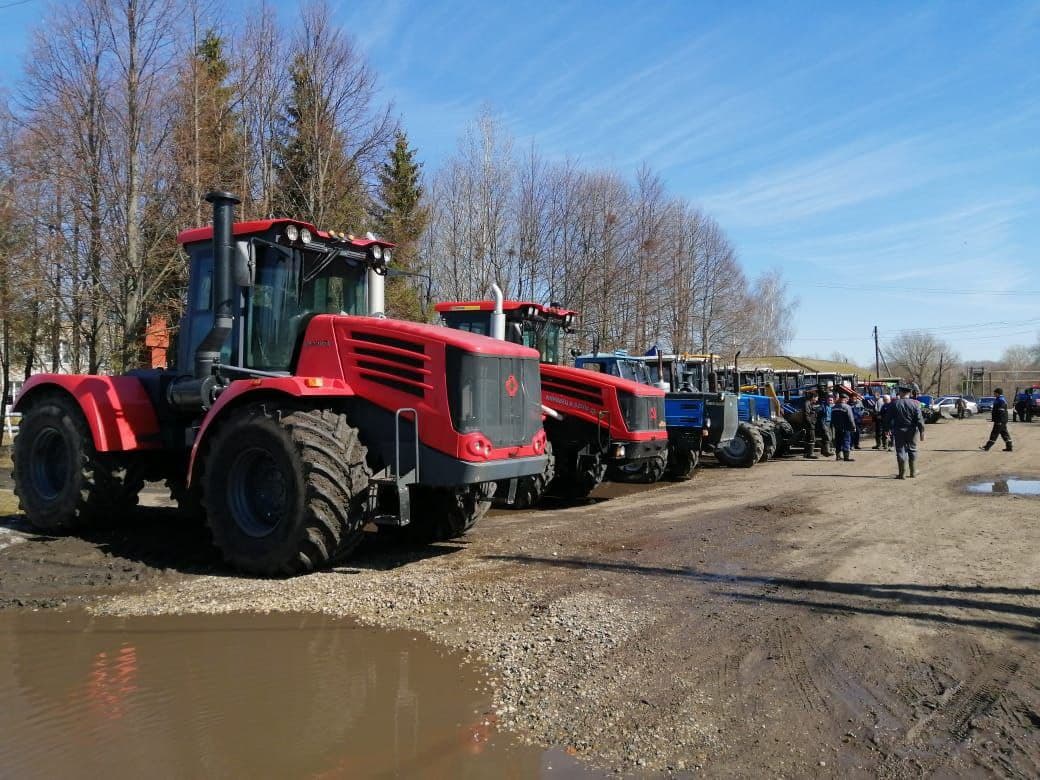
884, 155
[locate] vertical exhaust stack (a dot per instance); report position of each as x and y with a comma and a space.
376, 293
498, 316
208, 353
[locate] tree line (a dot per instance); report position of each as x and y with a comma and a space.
129, 111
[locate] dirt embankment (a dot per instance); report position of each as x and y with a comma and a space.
804, 617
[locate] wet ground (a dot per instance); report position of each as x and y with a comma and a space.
802, 618
1014, 486
276, 695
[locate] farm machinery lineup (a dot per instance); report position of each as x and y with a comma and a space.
296, 414
598, 426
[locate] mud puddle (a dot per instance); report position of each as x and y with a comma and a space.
244, 695
1013, 486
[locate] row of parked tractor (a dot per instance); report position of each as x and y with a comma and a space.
297, 414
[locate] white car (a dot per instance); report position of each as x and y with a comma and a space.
949, 404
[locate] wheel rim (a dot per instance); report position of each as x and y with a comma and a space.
258, 494
737, 448
50, 463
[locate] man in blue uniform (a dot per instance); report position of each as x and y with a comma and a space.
907, 423
999, 416
844, 424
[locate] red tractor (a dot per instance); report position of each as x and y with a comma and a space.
294, 417
598, 425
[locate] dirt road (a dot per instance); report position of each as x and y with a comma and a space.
801, 618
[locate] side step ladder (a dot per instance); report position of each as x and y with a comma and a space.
396, 479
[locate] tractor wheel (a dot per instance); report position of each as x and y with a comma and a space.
645, 471
440, 514
188, 500
285, 494
785, 438
769, 441
62, 482
572, 482
744, 450
529, 490
682, 462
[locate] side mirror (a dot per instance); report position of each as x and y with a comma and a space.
244, 264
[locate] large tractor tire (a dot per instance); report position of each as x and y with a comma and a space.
785, 438
529, 490
744, 450
285, 494
682, 462
63, 484
645, 471
440, 514
574, 482
769, 441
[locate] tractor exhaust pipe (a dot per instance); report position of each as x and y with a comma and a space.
208, 353
736, 372
498, 316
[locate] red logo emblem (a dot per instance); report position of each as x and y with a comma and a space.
512, 386
653, 413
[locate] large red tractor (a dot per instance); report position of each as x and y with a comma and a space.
294, 416
597, 424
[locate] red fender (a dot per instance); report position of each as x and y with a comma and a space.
117, 408
288, 386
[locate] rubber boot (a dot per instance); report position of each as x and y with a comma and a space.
837, 455
902, 470
847, 458
986, 446
912, 474
1008, 448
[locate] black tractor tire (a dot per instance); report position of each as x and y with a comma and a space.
441, 514
63, 484
285, 494
573, 482
645, 471
529, 490
744, 450
682, 462
785, 438
187, 499
769, 441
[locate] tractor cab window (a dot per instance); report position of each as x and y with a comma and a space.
478, 322
549, 342
289, 287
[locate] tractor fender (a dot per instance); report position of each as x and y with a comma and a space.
117, 408
277, 389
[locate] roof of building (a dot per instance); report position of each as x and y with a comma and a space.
809, 365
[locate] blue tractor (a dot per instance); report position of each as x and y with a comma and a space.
759, 407
699, 419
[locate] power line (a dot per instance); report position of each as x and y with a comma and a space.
894, 288
12, 5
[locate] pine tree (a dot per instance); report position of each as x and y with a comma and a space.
401, 216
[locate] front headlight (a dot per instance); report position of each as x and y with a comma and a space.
305, 235
377, 253
387, 256
292, 233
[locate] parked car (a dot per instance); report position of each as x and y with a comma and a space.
948, 404
986, 403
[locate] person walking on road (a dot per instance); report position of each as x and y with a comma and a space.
809, 425
857, 414
907, 423
962, 407
844, 426
999, 416
884, 423
823, 425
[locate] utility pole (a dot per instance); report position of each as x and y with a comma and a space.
938, 390
877, 356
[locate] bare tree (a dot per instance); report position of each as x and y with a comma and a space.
916, 355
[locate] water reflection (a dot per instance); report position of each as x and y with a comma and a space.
1007, 486
243, 695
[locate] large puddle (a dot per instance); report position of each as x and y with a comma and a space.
278, 695
1009, 486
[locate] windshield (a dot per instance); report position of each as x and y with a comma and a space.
291, 286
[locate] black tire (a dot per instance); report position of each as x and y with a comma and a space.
785, 438
441, 514
574, 482
529, 490
645, 471
285, 494
682, 462
187, 499
744, 450
769, 441
63, 484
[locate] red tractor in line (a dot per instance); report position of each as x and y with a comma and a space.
296, 413
598, 426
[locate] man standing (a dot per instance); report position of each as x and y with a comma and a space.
809, 424
857, 415
962, 407
823, 425
907, 424
844, 425
999, 416
885, 420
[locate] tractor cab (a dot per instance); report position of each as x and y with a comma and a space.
285, 272
531, 324
619, 364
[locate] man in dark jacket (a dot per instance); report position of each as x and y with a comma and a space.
809, 424
907, 423
999, 416
844, 423
823, 424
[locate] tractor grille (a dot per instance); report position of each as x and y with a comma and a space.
576, 391
501, 397
684, 412
392, 362
641, 412
744, 408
